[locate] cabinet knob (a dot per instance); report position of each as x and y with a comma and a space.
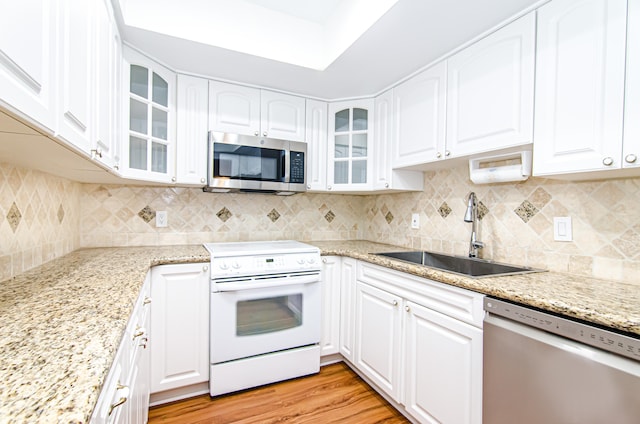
394, 303
264, 134
386, 185
256, 133
324, 260
173, 179
205, 268
630, 158
308, 186
447, 153
328, 187
438, 155
407, 308
608, 161
116, 167
202, 180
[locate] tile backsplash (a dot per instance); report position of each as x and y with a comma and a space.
39, 218
516, 222
43, 217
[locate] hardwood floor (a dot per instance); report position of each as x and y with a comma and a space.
335, 395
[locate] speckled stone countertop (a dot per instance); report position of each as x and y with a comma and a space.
607, 303
61, 323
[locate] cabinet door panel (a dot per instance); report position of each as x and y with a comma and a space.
316, 137
443, 368
378, 336
27, 60
490, 91
179, 338
191, 140
75, 85
282, 116
579, 85
419, 115
631, 144
347, 308
331, 273
234, 108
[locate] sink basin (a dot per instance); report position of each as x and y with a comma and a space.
470, 267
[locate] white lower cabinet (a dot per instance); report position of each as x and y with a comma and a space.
420, 343
179, 331
378, 327
443, 367
347, 307
330, 337
125, 394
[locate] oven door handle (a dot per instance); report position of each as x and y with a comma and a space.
249, 284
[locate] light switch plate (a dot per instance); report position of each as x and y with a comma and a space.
562, 230
161, 219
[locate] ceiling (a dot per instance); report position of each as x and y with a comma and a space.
382, 41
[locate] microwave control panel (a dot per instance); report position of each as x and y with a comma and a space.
296, 169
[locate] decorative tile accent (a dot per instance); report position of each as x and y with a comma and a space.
329, 216
60, 213
482, 210
224, 214
273, 215
389, 217
147, 214
526, 211
14, 217
444, 210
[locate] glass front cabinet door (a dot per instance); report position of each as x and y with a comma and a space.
350, 141
149, 150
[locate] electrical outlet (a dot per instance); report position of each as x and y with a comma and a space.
415, 220
161, 218
562, 228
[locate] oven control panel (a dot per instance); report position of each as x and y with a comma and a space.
264, 264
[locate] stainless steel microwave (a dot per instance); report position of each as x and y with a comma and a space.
247, 163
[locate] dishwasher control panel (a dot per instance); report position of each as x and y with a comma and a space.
610, 341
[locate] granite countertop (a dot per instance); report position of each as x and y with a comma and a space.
61, 323
607, 303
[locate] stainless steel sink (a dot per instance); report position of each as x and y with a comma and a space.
470, 267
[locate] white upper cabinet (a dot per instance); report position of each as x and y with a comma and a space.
316, 138
579, 86
384, 177
107, 85
149, 110
28, 60
234, 108
350, 140
419, 117
490, 89
75, 86
282, 116
631, 143
191, 140
251, 111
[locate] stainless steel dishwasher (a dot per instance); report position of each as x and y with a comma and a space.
544, 369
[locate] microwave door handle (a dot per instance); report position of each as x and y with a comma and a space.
268, 282
287, 165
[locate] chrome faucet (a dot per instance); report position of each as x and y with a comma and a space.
472, 216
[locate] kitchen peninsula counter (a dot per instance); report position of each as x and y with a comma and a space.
61, 323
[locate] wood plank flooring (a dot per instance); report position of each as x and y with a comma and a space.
335, 395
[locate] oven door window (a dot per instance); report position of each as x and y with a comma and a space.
261, 316
248, 163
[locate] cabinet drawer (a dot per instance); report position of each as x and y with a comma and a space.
454, 302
